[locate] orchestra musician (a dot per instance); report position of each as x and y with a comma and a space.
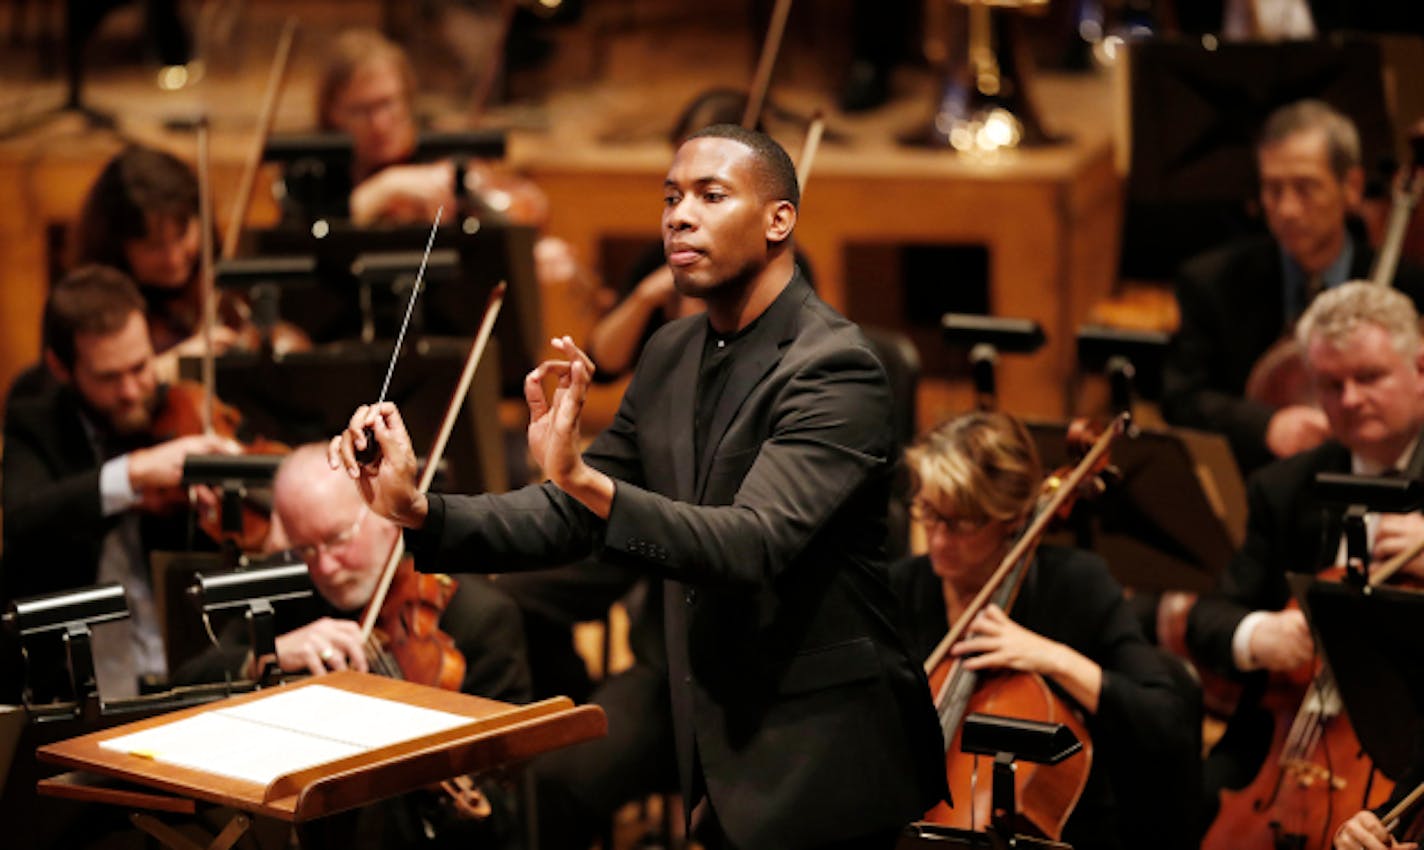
87, 485
1363, 352
749, 465
141, 217
1238, 300
345, 546
367, 90
975, 480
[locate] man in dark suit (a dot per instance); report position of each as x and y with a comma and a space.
749, 465
1364, 357
1239, 300
87, 490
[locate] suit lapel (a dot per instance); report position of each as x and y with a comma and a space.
682, 401
762, 353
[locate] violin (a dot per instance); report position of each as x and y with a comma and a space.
1046, 794
407, 642
180, 414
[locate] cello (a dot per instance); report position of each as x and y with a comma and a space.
1316, 773
1047, 794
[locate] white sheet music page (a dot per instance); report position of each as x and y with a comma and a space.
260, 740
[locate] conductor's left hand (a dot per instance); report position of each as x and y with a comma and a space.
389, 484
554, 426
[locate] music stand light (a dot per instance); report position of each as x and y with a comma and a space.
71, 613
986, 336
1009, 739
1362, 494
1132, 360
255, 590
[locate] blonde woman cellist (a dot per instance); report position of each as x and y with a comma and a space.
976, 480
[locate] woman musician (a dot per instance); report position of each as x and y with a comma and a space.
975, 480
142, 217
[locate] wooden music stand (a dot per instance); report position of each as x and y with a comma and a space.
494, 734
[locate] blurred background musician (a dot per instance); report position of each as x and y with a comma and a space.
1238, 300
367, 90
345, 546
141, 217
88, 488
975, 481
1363, 352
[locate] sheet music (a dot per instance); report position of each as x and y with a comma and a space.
290, 730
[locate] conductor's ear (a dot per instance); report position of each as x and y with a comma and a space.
781, 222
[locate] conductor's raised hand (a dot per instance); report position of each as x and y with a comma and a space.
387, 484
554, 426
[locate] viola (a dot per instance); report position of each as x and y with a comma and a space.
1046, 794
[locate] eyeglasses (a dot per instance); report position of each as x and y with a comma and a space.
311, 551
923, 513
371, 109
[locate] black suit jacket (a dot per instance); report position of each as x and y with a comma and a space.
788, 674
1232, 309
54, 524
1286, 531
1145, 734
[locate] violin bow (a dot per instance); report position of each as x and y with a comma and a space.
756, 96
259, 140
1027, 540
1404, 199
808, 150
1392, 817
205, 272
437, 450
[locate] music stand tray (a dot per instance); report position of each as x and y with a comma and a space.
1375, 649
485, 735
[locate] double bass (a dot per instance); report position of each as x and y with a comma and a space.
1046, 794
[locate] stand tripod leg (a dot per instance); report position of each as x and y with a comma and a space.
175, 840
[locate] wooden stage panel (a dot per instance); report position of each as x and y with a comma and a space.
1050, 220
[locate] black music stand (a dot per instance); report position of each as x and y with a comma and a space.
1165, 523
1375, 647
309, 396
488, 253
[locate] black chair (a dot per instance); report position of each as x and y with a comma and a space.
902, 366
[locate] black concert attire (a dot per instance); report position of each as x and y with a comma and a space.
1146, 732
796, 711
59, 532
1235, 304
648, 262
